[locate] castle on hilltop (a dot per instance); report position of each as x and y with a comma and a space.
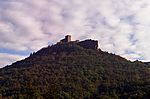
88, 44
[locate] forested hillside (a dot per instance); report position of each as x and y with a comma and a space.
69, 71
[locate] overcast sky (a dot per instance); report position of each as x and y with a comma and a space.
121, 26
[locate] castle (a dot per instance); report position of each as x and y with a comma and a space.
67, 39
88, 44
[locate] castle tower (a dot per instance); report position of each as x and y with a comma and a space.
68, 38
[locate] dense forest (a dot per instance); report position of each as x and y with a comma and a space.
69, 71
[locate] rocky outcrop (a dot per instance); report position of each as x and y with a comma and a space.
89, 44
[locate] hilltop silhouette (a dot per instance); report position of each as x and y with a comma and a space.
75, 70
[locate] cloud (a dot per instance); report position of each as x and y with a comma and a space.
9, 59
121, 26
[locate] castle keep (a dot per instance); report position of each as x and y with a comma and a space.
67, 39
88, 44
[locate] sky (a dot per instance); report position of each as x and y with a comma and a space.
120, 26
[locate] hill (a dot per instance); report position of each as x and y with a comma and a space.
73, 70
